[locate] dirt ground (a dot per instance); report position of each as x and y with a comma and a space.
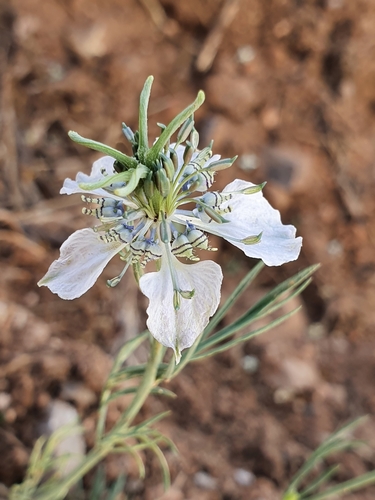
290, 88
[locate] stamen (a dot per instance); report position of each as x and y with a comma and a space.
214, 199
199, 240
108, 208
116, 280
181, 247
177, 292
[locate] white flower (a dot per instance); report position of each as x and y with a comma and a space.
143, 218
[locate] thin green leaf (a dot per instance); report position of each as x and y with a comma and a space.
285, 286
327, 448
243, 338
159, 391
138, 459
152, 420
117, 488
264, 305
126, 350
321, 479
347, 486
234, 296
137, 371
103, 148
99, 485
163, 463
278, 304
344, 431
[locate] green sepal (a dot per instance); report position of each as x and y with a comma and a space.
126, 160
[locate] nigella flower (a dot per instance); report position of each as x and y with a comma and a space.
159, 206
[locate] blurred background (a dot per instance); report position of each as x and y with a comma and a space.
290, 88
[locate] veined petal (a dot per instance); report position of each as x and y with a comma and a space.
179, 329
83, 256
251, 215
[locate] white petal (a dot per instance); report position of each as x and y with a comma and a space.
179, 329
83, 256
104, 164
251, 215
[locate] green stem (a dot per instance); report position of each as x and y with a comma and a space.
125, 351
148, 382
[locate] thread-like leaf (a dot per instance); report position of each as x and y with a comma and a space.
244, 338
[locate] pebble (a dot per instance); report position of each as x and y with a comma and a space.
248, 162
205, 481
299, 374
5, 400
60, 414
79, 394
245, 54
250, 364
243, 477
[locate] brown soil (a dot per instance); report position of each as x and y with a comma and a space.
291, 90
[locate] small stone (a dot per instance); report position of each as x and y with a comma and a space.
79, 394
243, 477
61, 414
299, 374
205, 481
91, 42
250, 364
55, 366
5, 400
245, 54
283, 395
316, 331
248, 162
334, 248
